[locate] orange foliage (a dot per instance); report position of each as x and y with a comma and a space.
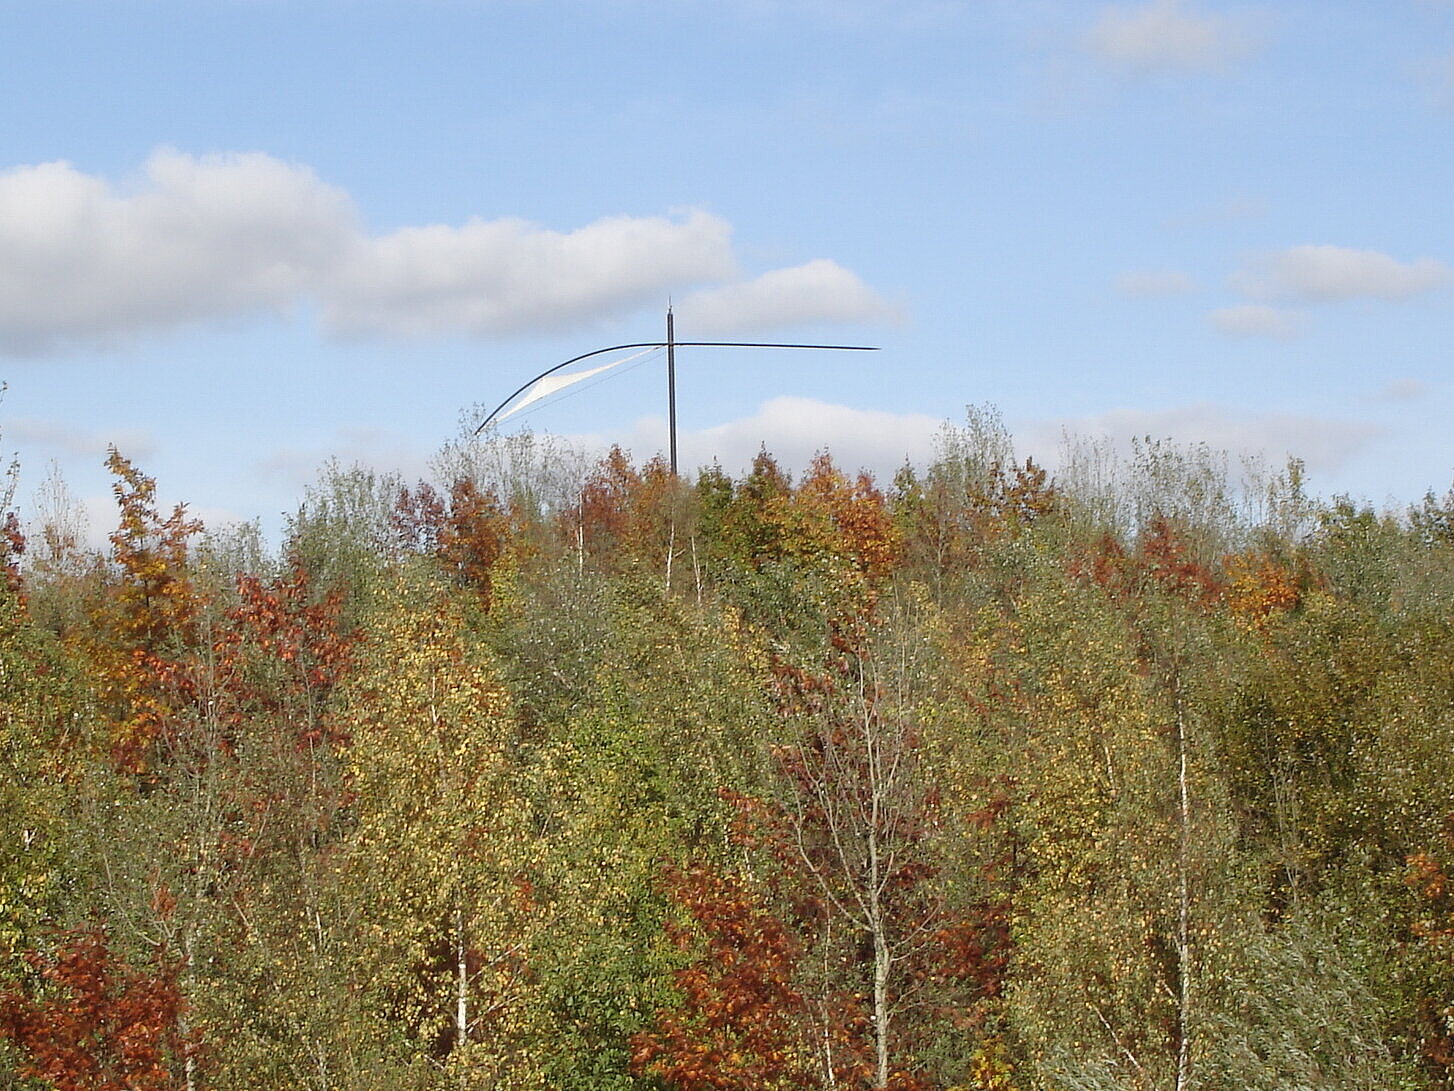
469, 535
946, 522
146, 637
12, 547
1009, 502
759, 1008
624, 515
755, 1011
1259, 588
741, 1025
606, 500
1105, 564
1162, 553
1161, 561
278, 622
863, 529
1430, 877
97, 1024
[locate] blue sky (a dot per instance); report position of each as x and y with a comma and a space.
239, 238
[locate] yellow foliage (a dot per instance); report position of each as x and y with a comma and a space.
1259, 589
442, 851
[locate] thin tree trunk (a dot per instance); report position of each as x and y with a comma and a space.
581, 536
825, 1019
881, 1002
461, 965
696, 570
1183, 927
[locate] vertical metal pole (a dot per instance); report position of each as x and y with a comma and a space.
671, 387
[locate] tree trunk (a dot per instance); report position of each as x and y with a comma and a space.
1183, 924
461, 966
881, 962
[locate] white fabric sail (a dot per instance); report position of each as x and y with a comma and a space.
547, 385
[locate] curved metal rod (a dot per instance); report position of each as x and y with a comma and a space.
661, 345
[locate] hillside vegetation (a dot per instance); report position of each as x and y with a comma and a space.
1138, 777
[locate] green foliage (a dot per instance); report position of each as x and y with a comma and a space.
38, 735
343, 532
627, 781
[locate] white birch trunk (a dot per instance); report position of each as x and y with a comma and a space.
1183, 927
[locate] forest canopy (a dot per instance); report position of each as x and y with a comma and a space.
544, 774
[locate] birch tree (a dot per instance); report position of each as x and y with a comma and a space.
440, 851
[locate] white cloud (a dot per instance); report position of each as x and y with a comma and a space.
820, 291
1320, 274
87, 262
1155, 282
1325, 444
794, 430
1255, 320
55, 437
1165, 36
196, 238
503, 276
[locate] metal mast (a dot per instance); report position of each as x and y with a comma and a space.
671, 386
670, 344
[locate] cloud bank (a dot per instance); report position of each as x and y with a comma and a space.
1324, 443
58, 438
819, 291
506, 276
193, 239
794, 429
84, 262
1325, 274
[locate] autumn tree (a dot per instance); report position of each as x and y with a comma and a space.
1130, 893
742, 1023
146, 639
626, 781
283, 992
624, 519
468, 531
88, 1021
1433, 935
40, 739
839, 959
439, 850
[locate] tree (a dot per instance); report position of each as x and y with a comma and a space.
146, 642
742, 1022
92, 1023
624, 782
1134, 891
440, 847
1429, 874
839, 959
280, 987
39, 740
469, 535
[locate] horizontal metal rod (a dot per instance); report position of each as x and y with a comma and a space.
661, 345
